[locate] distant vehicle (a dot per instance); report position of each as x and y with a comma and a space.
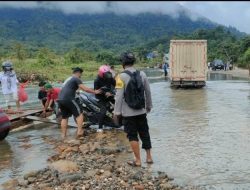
188, 63
217, 64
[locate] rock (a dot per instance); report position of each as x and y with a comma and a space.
43, 185
25, 146
150, 183
84, 148
11, 184
134, 183
64, 166
108, 150
70, 178
94, 146
23, 182
99, 172
139, 187
90, 173
73, 142
61, 148
71, 149
87, 186
107, 174
137, 176
165, 186
31, 179
31, 174
162, 175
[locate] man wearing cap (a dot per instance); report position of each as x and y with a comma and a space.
52, 96
68, 104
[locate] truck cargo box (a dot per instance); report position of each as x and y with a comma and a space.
188, 63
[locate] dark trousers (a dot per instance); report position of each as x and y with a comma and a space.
165, 73
103, 111
138, 125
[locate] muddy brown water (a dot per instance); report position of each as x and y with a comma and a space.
199, 137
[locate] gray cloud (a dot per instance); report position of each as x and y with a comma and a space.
117, 7
233, 13
236, 14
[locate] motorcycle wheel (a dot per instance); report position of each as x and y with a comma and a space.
4, 134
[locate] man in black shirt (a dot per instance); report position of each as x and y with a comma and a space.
68, 104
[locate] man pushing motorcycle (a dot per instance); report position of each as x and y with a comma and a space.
68, 104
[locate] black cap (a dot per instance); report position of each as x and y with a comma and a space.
42, 83
127, 58
77, 69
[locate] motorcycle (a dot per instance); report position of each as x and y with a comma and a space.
91, 109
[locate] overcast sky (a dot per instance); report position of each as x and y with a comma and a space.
235, 13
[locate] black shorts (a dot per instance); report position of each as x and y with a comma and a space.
69, 108
138, 125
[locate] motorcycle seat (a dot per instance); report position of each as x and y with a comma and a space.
91, 98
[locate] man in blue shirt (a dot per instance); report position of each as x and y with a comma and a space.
165, 68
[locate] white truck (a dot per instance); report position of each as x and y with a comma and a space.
188, 63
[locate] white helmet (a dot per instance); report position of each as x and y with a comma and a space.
7, 66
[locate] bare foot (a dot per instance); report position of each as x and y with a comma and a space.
63, 136
80, 133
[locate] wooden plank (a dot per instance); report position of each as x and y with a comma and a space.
19, 123
47, 120
44, 120
22, 127
25, 113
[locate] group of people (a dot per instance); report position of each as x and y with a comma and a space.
132, 100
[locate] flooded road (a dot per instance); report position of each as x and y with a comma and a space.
200, 137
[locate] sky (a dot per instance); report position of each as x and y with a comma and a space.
233, 13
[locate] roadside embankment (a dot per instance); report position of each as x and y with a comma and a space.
237, 72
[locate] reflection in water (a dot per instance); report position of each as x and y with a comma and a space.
26, 150
201, 136
6, 155
222, 76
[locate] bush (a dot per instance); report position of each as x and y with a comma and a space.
45, 57
107, 58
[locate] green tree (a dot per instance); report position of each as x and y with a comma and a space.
246, 58
161, 49
19, 51
74, 56
107, 57
45, 57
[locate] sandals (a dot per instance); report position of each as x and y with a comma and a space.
150, 162
133, 163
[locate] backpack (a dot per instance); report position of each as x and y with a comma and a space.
134, 92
